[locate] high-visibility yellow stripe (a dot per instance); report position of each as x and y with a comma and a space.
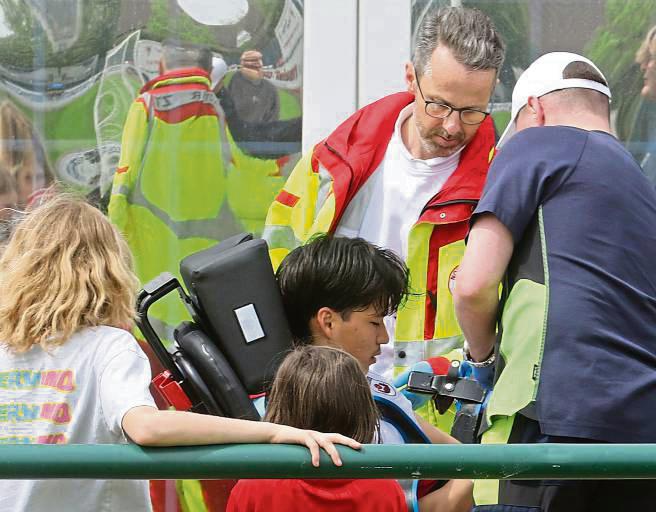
486, 492
190, 495
410, 317
450, 256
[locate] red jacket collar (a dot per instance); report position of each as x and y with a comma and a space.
357, 147
469, 178
172, 75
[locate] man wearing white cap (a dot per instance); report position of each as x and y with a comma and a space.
263, 140
567, 222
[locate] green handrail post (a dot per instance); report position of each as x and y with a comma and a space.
526, 462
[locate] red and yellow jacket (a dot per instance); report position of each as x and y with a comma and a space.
169, 187
325, 182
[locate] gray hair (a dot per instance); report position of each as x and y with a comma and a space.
468, 33
178, 55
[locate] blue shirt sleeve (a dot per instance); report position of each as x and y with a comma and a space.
530, 167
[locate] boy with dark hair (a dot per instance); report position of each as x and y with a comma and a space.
348, 276
336, 292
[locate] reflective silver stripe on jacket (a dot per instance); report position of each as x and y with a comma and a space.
407, 353
195, 228
408, 487
171, 101
280, 237
325, 182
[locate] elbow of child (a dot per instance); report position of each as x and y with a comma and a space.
143, 437
141, 426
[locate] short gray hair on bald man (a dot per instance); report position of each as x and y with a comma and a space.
468, 33
178, 55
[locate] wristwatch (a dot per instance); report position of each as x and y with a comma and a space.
489, 360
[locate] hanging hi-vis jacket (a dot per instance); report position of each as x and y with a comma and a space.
327, 179
166, 198
169, 187
252, 184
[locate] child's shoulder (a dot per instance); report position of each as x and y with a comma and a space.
111, 339
101, 345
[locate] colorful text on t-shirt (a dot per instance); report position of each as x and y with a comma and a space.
61, 380
44, 439
55, 412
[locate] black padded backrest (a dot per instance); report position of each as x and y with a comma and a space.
216, 373
239, 307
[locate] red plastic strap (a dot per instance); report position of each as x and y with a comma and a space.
171, 391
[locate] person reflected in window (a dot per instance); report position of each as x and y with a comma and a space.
255, 127
8, 200
255, 97
643, 137
23, 154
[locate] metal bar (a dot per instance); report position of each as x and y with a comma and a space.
553, 461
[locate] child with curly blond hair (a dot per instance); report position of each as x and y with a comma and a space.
71, 372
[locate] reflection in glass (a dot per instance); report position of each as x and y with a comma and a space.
73, 67
642, 138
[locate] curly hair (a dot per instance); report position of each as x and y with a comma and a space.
65, 268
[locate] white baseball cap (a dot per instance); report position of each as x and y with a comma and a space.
545, 75
219, 69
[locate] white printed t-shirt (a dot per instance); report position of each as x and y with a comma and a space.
390, 202
76, 394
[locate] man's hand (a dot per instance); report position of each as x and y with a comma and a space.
401, 381
251, 64
484, 376
314, 441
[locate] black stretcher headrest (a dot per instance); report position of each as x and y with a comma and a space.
235, 293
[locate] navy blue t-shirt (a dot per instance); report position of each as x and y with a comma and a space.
598, 372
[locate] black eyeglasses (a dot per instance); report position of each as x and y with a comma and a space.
442, 110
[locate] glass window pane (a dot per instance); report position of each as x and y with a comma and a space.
71, 69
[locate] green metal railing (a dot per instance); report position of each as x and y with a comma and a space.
553, 461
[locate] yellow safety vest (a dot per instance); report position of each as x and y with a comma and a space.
325, 181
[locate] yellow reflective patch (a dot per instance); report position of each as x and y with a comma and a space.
410, 318
486, 492
523, 320
323, 219
190, 495
450, 256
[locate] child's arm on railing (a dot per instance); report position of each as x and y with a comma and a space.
148, 426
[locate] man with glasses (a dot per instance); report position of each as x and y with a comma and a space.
405, 173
